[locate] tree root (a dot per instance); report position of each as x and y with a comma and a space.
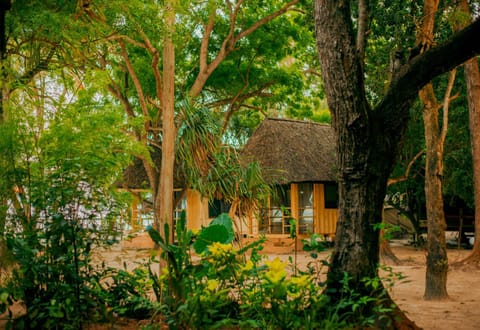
396, 319
387, 255
472, 260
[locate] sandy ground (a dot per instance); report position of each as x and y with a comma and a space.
459, 312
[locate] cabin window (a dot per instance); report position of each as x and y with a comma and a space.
276, 218
305, 208
331, 195
181, 199
217, 207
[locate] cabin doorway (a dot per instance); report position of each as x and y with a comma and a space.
305, 208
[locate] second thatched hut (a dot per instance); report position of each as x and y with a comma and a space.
298, 159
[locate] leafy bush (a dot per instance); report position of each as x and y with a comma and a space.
127, 293
56, 205
224, 288
54, 278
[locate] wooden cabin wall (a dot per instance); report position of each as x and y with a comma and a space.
136, 210
325, 220
197, 210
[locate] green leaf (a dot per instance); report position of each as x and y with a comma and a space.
209, 235
225, 220
57, 313
155, 236
4, 297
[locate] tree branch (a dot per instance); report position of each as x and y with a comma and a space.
205, 41
426, 31
206, 69
241, 98
227, 45
446, 103
313, 72
40, 66
265, 20
421, 69
407, 170
259, 109
115, 91
136, 82
154, 64
155, 103
122, 37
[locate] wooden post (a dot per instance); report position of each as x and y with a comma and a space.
294, 203
460, 227
134, 212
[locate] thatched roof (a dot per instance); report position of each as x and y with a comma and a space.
293, 151
135, 176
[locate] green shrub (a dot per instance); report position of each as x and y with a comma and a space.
128, 293
54, 278
56, 204
226, 289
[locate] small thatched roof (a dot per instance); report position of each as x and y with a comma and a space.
135, 176
293, 151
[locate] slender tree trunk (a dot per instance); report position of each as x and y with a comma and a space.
472, 78
437, 260
4, 7
386, 252
164, 196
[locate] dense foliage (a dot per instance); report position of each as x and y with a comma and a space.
58, 204
229, 286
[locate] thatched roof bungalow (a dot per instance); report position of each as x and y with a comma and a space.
298, 158
293, 150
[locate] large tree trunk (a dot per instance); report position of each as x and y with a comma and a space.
472, 76
164, 196
368, 141
360, 208
365, 152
